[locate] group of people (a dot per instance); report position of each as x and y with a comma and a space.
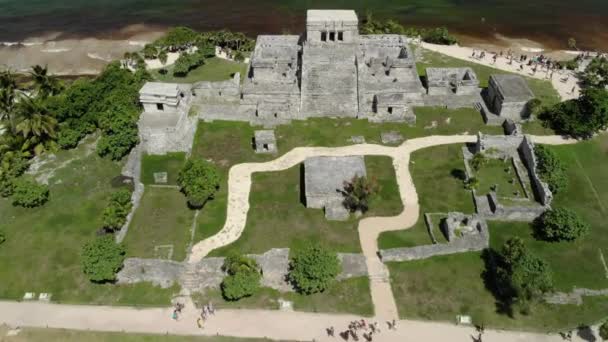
177, 310
207, 311
536, 63
367, 330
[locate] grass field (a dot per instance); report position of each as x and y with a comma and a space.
43, 245
64, 335
496, 172
162, 221
214, 69
277, 211
435, 173
346, 296
441, 287
170, 163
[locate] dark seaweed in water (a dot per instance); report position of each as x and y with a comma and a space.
547, 21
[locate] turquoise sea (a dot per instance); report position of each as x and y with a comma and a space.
548, 21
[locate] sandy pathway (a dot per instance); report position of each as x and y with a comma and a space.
465, 53
276, 325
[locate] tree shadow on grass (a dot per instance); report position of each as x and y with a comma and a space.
497, 284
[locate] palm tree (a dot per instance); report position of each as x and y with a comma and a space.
8, 90
44, 83
35, 124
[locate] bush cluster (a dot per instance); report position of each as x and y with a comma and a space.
359, 192
115, 213
243, 278
29, 194
199, 181
102, 258
520, 274
313, 268
550, 168
187, 62
438, 35
560, 224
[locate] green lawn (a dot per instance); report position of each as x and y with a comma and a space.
64, 335
170, 163
43, 245
441, 287
214, 69
161, 223
277, 211
435, 173
499, 173
347, 296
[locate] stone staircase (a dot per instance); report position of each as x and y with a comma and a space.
189, 278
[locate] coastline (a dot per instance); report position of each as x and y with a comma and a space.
88, 56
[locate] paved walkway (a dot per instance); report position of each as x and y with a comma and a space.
276, 325
465, 53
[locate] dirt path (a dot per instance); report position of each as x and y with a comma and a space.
276, 325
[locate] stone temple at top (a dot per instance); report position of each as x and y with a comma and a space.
331, 70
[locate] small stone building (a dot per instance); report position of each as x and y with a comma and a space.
324, 179
508, 96
165, 126
332, 26
459, 81
265, 141
161, 97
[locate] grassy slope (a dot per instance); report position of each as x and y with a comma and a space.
64, 335
170, 163
42, 250
277, 217
438, 191
347, 296
162, 218
431, 289
214, 69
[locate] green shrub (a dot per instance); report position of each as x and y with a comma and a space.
522, 275
102, 258
199, 181
604, 331
359, 192
471, 183
7, 185
115, 213
120, 137
68, 138
240, 285
439, 35
177, 38
550, 168
313, 268
243, 278
581, 117
187, 62
560, 224
478, 160
29, 194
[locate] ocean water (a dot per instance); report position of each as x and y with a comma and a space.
550, 22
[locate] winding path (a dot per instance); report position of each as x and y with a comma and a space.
282, 325
239, 186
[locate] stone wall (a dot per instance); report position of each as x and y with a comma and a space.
208, 272
541, 189
132, 169
467, 243
157, 140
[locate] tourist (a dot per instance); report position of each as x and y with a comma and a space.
330, 332
174, 316
199, 322
573, 89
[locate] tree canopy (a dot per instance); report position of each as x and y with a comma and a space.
102, 258
359, 192
115, 213
561, 224
29, 194
596, 73
243, 278
550, 168
581, 117
313, 268
199, 181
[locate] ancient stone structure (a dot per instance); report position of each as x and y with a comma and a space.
459, 81
265, 141
208, 272
165, 125
324, 179
465, 233
520, 149
508, 97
